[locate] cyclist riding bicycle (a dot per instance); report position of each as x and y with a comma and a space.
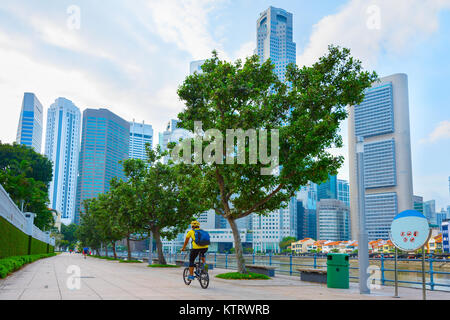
196, 249
85, 252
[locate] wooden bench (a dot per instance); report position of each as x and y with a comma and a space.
313, 275
267, 270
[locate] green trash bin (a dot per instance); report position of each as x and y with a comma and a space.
338, 267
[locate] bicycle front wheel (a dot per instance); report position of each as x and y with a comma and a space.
204, 279
185, 276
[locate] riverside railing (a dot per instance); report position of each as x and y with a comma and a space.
409, 270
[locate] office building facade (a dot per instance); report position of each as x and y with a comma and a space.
104, 142
274, 39
418, 203
328, 189
343, 191
307, 211
429, 210
333, 220
382, 119
62, 145
29, 131
141, 134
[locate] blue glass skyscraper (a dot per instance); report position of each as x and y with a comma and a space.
104, 142
29, 131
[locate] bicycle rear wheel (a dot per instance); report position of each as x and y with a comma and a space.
204, 279
185, 276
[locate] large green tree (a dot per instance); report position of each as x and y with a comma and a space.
25, 175
306, 111
164, 194
89, 232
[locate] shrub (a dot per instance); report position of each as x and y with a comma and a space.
242, 276
130, 261
11, 264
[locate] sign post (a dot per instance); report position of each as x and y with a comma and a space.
410, 231
396, 274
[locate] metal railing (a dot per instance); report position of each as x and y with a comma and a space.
409, 270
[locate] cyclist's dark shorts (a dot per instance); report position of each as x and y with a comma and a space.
194, 253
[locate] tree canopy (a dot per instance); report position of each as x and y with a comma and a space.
303, 116
25, 175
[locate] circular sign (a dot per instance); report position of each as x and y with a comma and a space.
410, 230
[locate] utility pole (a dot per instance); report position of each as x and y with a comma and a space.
363, 242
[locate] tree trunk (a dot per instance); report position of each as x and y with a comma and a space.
237, 246
157, 236
128, 247
114, 249
106, 249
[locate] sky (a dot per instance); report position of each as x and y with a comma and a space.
131, 56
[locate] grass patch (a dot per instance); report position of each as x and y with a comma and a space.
242, 276
104, 258
130, 261
163, 266
11, 264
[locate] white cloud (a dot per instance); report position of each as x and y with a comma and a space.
442, 131
369, 28
186, 24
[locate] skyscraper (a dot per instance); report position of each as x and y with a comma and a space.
140, 135
333, 220
429, 210
418, 203
343, 191
382, 119
29, 131
104, 142
328, 189
274, 40
307, 211
62, 145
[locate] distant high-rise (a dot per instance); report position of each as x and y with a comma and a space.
382, 119
274, 39
140, 135
270, 229
328, 189
343, 191
418, 203
429, 210
62, 145
333, 220
29, 131
104, 142
307, 211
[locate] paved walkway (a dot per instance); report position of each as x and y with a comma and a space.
111, 280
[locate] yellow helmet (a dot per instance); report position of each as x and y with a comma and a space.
195, 224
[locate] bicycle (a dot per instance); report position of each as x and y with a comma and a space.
200, 273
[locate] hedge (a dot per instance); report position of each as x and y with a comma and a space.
11, 264
13, 242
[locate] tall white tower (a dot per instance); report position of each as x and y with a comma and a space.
382, 119
62, 147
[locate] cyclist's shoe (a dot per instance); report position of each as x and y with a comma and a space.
191, 277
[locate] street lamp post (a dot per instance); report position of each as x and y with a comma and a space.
363, 242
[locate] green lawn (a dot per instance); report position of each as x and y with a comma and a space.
242, 276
